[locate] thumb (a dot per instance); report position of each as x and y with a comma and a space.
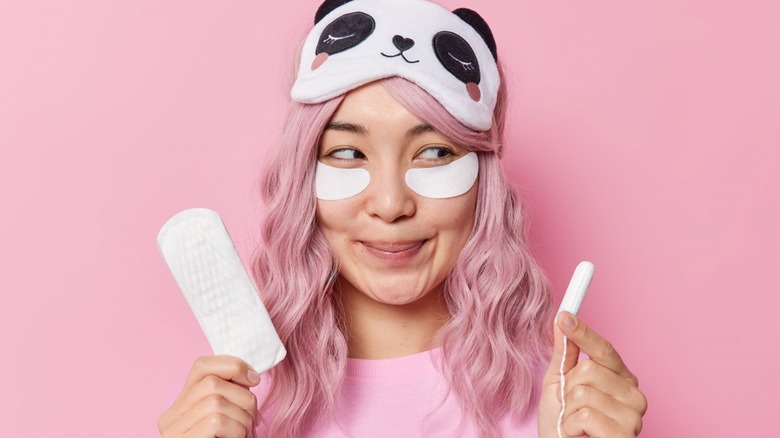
572, 350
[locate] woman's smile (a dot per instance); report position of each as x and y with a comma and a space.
394, 253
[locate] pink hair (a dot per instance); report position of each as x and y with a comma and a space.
496, 293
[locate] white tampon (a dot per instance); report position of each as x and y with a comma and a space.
578, 285
205, 264
572, 299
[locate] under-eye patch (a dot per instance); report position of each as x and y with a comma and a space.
440, 182
335, 183
448, 181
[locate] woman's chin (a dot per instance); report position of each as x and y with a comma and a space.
395, 299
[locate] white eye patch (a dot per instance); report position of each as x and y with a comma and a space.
440, 182
335, 183
446, 181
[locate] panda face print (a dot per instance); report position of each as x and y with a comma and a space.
402, 44
343, 33
452, 50
359, 41
458, 58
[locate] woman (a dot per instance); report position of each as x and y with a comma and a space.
394, 262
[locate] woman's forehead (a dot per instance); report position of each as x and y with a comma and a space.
371, 111
373, 103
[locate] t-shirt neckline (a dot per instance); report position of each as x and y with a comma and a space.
406, 366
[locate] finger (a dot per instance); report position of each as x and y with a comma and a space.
220, 426
216, 404
213, 406
581, 397
590, 422
213, 385
593, 344
592, 374
572, 353
227, 367
215, 374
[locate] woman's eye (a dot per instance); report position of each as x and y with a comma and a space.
435, 153
347, 154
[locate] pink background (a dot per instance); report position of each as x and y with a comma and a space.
643, 136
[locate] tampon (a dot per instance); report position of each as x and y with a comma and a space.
205, 264
578, 285
572, 300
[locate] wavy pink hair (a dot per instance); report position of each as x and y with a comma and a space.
496, 293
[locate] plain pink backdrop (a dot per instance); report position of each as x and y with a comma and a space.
643, 136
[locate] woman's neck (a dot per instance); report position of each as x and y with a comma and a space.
378, 330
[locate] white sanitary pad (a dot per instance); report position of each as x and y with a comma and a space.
205, 264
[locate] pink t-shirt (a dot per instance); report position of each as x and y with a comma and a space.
402, 397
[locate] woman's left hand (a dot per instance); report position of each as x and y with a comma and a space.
602, 396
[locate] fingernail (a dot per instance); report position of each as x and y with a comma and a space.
568, 321
253, 377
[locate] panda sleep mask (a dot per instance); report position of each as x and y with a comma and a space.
451, 55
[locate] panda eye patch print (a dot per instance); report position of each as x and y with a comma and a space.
439, 182
356, 42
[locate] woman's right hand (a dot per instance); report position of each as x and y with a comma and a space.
215, 401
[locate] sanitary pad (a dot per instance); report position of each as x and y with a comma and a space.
205, 264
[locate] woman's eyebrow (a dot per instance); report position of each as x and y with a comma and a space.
348, 127
422, 128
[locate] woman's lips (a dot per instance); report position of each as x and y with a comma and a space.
394, 252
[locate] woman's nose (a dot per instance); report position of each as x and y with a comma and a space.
389, 198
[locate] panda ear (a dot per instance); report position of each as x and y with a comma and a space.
326, 7
479, 24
